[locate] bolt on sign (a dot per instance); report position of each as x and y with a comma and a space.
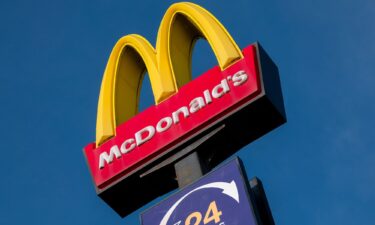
242, 95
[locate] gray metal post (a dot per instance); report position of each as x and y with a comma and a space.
189, 169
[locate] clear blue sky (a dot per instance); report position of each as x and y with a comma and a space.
318, 168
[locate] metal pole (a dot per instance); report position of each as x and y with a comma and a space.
189, 169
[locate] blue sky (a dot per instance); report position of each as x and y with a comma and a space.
318, 168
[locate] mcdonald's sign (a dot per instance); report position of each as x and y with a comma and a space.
241, 95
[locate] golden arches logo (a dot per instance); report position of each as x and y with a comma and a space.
169, 65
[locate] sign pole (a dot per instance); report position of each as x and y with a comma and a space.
193, 166
189, 169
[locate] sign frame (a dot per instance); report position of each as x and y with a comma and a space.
262, 114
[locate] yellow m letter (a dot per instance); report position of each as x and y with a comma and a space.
169, 66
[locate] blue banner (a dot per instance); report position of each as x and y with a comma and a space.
220, 197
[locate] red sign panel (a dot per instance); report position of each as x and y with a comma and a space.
156, 131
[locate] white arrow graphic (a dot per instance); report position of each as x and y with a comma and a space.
229, 189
